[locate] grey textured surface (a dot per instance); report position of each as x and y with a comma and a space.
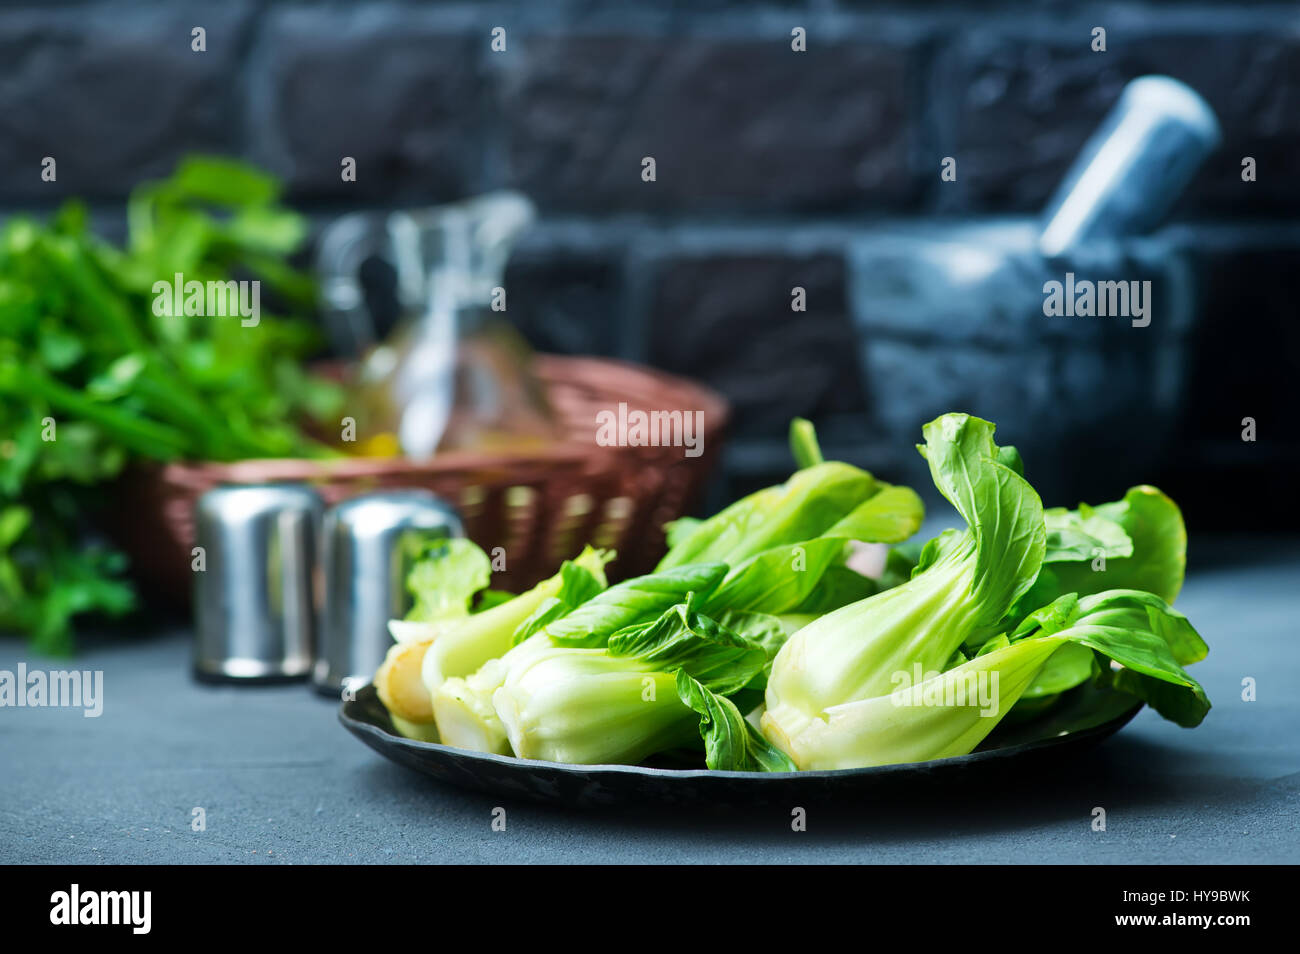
281, 781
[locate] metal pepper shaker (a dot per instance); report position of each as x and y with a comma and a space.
369, 543
255, 615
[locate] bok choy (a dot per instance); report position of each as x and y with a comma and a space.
755, 645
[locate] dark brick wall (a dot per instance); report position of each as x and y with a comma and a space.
773, 167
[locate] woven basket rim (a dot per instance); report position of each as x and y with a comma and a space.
559, 455
684, 390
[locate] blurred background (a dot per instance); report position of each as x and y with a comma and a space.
775, 169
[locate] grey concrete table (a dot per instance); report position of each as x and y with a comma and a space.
279, 780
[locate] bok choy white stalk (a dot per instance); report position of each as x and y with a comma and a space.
575, 618
621, 703
464, 647
963, 587
950, 713
463, 640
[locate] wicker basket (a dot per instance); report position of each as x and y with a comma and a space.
542, 507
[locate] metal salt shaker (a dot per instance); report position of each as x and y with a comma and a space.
255, 615
368, 546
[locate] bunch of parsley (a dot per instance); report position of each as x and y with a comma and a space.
92, 376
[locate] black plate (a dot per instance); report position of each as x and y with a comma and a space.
1082, 718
